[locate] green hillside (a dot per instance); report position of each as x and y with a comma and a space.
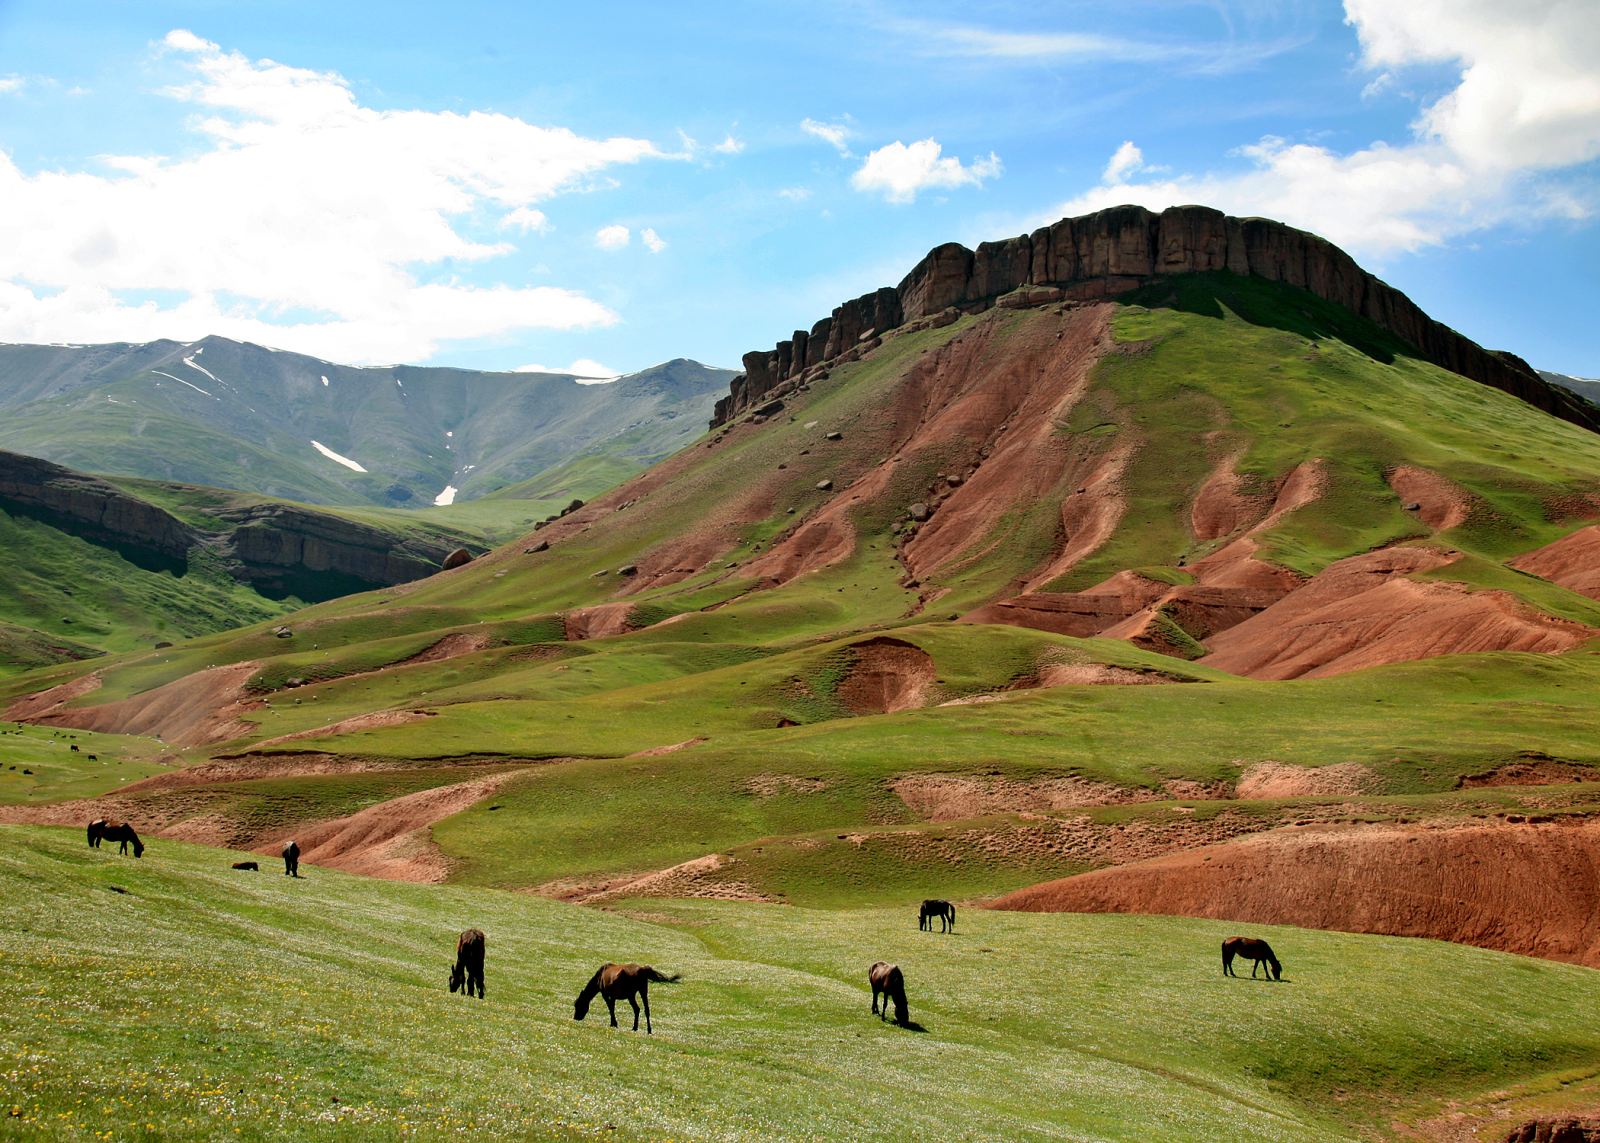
175, 997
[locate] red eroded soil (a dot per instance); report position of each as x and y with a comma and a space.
195, 710
390, 840
1524, 888
1443, 503
30, 707
886, 675
597, 622
1572, 561
374, 721
1363, 612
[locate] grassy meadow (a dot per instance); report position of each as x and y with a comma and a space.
175, 998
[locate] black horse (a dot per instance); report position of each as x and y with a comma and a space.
1254, 950
888, 982
469, 963
291, 859
102, 830
614, 982
943, 910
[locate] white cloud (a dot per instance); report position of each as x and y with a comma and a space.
729, 146
652, 240
836, 135
1126, 160
10, 83
900, 171
612, 237
303, 220
1525, 108
525, 219
795, 194
585, 370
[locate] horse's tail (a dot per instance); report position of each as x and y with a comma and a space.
1227, 954
952, 911
658, 977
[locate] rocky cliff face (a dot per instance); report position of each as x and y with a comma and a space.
279, 549
1110, 252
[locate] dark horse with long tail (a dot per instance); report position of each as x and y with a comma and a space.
291, 859
1252, 949
943, 910
888, 982
469, 963
102, 830
614, 982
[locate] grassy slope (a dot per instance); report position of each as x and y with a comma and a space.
203, 1003
1274, 373
57, 773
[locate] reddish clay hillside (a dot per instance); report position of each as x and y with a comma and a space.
1517, 887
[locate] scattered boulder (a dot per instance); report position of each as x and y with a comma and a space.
918, 512
163, 644
456, 559
824, 486
628, 569
767, 410
954, 481
282, 631
835, 436
541, 546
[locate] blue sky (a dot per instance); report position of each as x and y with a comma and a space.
503, 185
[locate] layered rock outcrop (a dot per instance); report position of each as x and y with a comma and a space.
279, 549
1110, 252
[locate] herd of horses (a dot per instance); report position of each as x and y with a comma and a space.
631, 982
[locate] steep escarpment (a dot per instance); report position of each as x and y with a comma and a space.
278, 549
1111, 252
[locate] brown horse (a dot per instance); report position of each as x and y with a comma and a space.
943, 910
291, 859
614, 982
469, 963
102, 830
887, 980
1252, 949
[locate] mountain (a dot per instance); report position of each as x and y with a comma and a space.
233, 415
1585, 387
1050, 578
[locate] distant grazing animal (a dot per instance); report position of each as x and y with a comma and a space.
247, 865
614, 982
102, 830
94, 757
943, 910
291, 859
469, 963
887, 981
1252, 949
73, 748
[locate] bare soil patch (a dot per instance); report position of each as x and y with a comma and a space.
1532, 772
1442, 504
30, 707
1529, 888
886, 675
197, 709
1572, 561
956, 797
695, 878
1268, 780
374, 721
771, 785
671, 748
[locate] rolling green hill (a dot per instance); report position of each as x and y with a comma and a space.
174, 997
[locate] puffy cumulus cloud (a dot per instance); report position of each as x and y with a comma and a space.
899, 171
836, 135
1525, 110
1125, 160
303, 220
729, 146
613, 237
11, 83
653, 241
1529, 90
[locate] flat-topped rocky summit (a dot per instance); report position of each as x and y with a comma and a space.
1111, 252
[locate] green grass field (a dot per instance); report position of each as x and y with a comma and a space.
174, 998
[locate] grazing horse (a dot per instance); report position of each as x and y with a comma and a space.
1252, 949
102, 830
886, 980
943, 910
291, 859
614, 982
247, 865
469, 963
73, 748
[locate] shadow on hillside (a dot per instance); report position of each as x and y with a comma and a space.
1272, 305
